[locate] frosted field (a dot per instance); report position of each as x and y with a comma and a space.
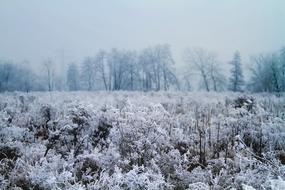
135, 140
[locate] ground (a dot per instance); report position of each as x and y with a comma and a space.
137, 140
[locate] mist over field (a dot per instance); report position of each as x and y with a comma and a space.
70, 32
123, 94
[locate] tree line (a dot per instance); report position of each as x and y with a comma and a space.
151, 69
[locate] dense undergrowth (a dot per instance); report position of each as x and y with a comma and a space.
132, 140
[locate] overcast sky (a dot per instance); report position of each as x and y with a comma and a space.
37, 29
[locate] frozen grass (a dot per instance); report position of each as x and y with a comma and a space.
137, 140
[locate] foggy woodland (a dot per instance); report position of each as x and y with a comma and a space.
151, 69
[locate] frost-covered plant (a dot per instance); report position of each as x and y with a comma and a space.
126, 140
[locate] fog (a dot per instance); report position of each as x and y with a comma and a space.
68, 31
33, 30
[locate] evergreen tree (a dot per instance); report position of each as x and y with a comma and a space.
236, 79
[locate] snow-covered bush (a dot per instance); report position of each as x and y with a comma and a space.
135, 140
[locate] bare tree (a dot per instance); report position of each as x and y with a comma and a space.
6, 75
72, 77
117, 68
132, 66
146, 65
187, 83
157, 68
27, 76
166, 62
266, 74
88, 73
217, 77
200, 59
49, 70
206, 64
103, 68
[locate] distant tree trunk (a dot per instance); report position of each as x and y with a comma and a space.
89, 83
104, 80
7, 71
132, 77
102, 66
164, 78
48, 67
205, 81
7, 77
214, 81
275, 78
158, 79
110, 78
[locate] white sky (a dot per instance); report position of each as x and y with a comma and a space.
36, 29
